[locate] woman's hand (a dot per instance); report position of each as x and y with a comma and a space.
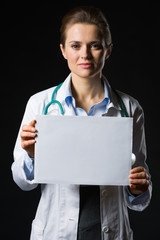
139, 180
28, 135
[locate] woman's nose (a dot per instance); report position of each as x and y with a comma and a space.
85, 52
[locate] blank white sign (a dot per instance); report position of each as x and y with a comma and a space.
83, 150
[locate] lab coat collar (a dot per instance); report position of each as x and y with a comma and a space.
113, 98
61, 94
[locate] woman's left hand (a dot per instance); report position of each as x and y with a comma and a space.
139, 180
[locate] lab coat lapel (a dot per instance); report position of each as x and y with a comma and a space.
113, 108
60, 96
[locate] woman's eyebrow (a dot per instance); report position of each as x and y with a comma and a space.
74, 41
96, 41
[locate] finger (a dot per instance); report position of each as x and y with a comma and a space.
32, 123
26, 135
141, 175
28, 128
26, 144
139, 181
133, 186
137, 170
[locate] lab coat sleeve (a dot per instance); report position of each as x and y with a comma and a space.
139, 149
18, 172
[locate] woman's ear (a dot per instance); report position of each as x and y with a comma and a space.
109, 50
63, 51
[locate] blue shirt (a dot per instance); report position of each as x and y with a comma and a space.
96, 110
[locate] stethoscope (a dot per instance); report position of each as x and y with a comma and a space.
123, 113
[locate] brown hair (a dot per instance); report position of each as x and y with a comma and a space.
86, 14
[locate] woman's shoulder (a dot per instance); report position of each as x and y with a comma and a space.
39, 100
131, 103
127, 97
42, 95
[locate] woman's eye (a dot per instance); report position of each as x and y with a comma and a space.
96, 46
75, 46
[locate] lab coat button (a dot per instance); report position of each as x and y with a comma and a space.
104, 192
105, 229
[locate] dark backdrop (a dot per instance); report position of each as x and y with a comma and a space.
31, 62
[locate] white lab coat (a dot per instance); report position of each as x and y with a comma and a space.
58, 211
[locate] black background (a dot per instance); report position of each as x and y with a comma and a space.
31, 62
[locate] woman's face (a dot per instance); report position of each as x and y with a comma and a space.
85, 50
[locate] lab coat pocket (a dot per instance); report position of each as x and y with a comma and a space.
110, 230
37, 231
71, 232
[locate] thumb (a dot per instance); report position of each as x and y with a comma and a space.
32, 123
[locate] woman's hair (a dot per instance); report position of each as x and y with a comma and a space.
88, 15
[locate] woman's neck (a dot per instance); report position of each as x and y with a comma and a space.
87, 91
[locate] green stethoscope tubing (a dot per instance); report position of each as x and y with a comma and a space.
54, 101
123, 113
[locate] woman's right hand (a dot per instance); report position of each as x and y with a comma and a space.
28, 135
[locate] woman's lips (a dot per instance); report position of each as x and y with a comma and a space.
85, 65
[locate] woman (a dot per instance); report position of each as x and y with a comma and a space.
84, 212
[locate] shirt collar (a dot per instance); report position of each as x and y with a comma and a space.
69, 98
68, 93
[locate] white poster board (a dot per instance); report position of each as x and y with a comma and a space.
83, 150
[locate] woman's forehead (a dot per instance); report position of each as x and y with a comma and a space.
82, 32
